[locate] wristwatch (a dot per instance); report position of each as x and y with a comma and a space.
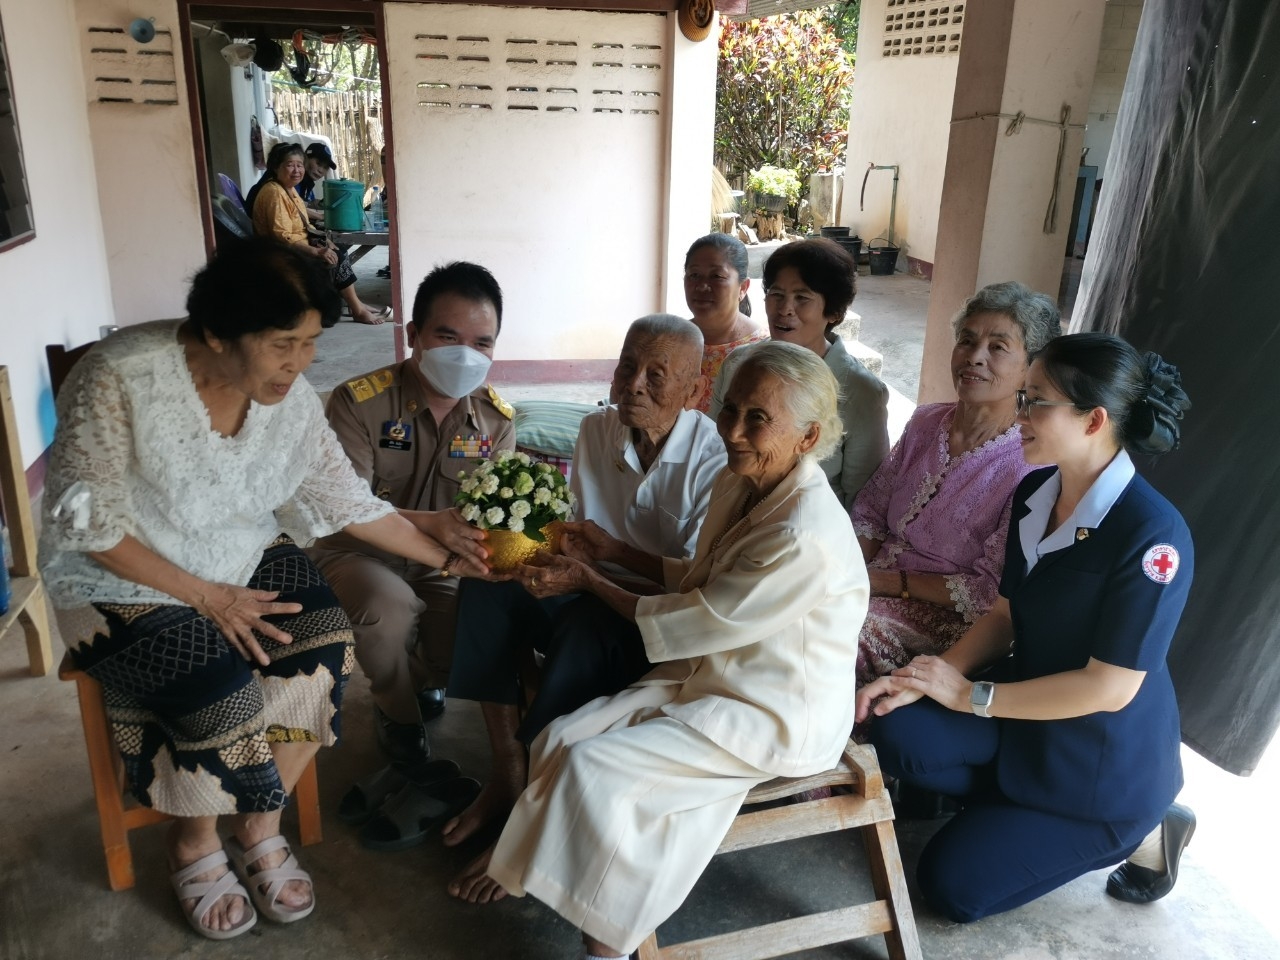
984, 691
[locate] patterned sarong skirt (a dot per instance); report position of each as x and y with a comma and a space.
194, 721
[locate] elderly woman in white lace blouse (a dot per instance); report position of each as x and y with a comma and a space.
185, 450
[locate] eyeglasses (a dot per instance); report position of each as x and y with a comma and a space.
1023, 404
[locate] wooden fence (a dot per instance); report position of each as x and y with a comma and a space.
351, 120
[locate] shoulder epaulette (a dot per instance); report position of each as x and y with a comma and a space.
371, 384
504, 408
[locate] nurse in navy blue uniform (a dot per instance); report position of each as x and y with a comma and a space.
1053, 718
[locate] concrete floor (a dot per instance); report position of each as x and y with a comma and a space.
54, 902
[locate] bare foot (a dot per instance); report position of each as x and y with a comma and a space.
230, 910
371, 315
494, 802
474, 885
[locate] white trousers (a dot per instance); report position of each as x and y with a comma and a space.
624, 810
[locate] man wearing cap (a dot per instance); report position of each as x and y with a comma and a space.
319, 163
405, 428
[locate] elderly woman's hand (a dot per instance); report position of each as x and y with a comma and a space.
587, 541
238, 611
553, 575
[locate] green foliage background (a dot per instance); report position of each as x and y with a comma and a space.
782, 92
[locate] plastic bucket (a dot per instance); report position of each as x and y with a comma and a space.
852, 245
882, 259
343, 205
835, 232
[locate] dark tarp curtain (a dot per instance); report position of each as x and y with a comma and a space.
1185, 260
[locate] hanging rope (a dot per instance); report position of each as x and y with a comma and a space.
1063, 123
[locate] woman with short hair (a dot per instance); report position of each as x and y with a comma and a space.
809, 285
630, 796
932, 520
187, 454
1054, 718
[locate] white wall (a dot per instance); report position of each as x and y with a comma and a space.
146, 176
56, 287
574, 212
1119, 30
900, 114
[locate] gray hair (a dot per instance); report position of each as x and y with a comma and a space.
814, 395
1035, 314
668, 325
683, 331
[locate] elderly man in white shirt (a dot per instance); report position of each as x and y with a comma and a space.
643, 470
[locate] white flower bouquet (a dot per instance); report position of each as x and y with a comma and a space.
514, 492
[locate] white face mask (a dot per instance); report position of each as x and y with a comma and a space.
454, 370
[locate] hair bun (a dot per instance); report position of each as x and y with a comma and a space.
1153, 422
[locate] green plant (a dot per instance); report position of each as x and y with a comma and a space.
775, 182
782, 94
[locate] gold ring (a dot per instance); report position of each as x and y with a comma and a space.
913, 673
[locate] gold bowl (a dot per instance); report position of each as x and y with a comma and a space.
507, 549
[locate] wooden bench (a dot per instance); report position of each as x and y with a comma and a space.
864, 807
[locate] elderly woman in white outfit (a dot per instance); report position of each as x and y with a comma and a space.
630, 796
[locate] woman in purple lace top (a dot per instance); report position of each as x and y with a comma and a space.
932, 519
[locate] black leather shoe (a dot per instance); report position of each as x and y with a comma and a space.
1134, 884
431, 703
400, 741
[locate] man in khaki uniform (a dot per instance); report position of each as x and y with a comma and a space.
408, 430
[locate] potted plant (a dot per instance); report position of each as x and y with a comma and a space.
776, 188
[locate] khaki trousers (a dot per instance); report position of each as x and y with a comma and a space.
403, 616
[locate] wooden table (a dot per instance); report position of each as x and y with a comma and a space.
361, 241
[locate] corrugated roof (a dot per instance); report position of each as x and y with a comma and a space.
757, 9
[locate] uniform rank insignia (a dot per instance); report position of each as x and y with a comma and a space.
396, 435
361, 389
471, 447
504, 408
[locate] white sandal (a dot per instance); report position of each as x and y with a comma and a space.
208, 892
274, 878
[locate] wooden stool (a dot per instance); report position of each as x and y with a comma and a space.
868, 809
114, 817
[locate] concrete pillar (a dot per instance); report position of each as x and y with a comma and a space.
1017, 56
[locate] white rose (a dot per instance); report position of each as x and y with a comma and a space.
468, 486
490, 486
494, 516
542, 495
506, 493
524, 458
520, 509
470, 513
515, 525
559, 507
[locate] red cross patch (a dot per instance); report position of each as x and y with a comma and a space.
1160, 563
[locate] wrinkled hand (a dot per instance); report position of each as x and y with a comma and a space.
587, 541
455, 535
330, 257
923, 677
553, 575
238, 611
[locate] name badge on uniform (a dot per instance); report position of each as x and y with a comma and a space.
474, 446
396, 435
